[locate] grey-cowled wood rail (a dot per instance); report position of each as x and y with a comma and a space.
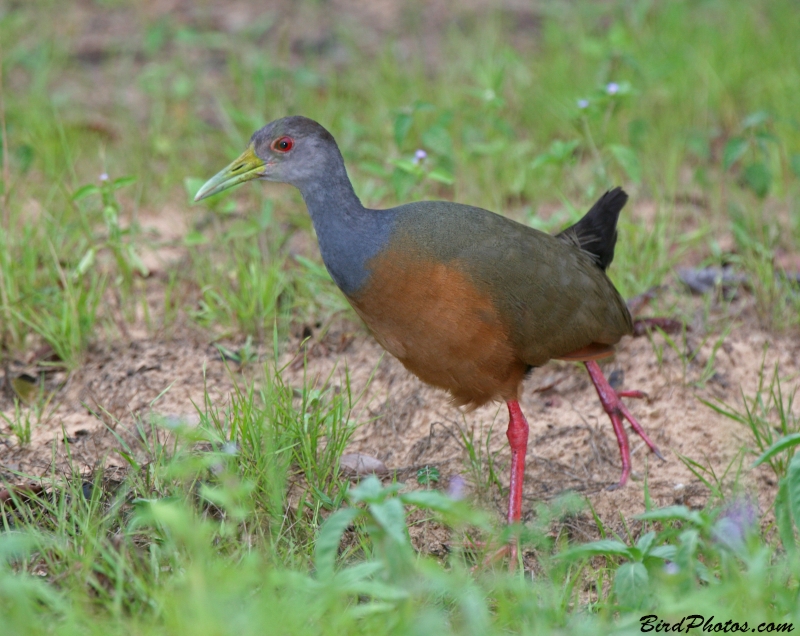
466, 299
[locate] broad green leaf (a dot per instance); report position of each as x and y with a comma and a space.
454, 511
329, 538
688, 541
84, 191
438, 139
630, 584
733, 151
562, 151
604, 547
353, 574
645, 541
368, 490
627, 158
541, 160
441, 176
408, 166
402, 124
391, 516
429, 500
666, 552
784, 443
758, 177
672, 513
122, 182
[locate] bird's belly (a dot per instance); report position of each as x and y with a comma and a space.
431, 317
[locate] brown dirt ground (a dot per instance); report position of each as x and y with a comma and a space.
407, 424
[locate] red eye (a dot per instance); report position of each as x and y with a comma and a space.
283, 144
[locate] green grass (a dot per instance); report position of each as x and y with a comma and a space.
235, 526
202, 537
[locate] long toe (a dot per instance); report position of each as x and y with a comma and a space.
616, 410
638, 428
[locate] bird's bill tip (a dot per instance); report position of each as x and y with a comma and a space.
246, 167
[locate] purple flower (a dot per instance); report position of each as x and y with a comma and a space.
455, 490
583, 103
420, 155
671, 568
104, 176
612, 88
735, 523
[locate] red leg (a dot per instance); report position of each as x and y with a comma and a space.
616, 410
517, 434
518, 441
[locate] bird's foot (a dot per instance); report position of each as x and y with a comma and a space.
616, 410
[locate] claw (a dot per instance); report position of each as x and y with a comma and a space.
616, 410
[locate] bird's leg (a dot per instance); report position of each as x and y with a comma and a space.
517, 434
518, 441
610, 399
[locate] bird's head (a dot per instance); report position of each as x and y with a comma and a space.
290, 150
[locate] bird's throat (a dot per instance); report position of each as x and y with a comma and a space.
349, 234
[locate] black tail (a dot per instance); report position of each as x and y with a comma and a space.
596, 233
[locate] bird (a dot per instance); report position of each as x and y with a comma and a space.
467, 300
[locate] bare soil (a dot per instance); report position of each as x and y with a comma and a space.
409, 425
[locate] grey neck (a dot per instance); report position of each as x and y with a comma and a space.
348, 233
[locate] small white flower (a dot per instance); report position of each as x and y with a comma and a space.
583, 103
671, 568
104, 176
420, 155
612, 88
